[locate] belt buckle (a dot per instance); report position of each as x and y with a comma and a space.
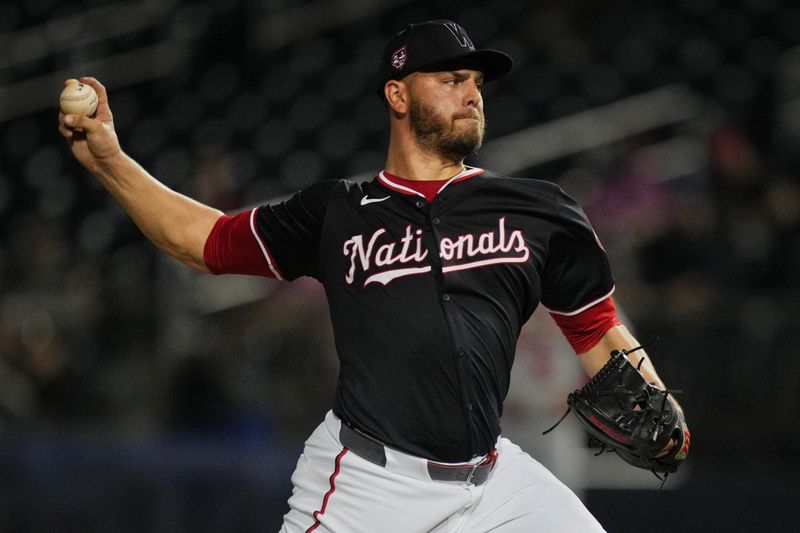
472, 471
488, 462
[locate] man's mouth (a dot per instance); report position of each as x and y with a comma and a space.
467, 116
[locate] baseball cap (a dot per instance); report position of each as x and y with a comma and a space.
437, 45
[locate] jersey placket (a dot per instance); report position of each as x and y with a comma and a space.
436, 214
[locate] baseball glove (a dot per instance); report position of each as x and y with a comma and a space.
627, 415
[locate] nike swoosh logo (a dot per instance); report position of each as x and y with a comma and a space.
367, 200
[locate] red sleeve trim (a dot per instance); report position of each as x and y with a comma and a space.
585, 327
235, 246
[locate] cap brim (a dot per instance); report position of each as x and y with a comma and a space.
493, 63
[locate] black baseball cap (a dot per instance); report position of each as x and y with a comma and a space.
437, 45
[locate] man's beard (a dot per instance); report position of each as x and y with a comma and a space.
438, 135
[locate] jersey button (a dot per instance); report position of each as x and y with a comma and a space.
436, 220
420, 204
446, 297
469, 407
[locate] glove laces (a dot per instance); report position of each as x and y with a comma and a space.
601, 376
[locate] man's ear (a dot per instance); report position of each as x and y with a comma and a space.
396, 94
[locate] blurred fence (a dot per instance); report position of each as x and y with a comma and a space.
56, 483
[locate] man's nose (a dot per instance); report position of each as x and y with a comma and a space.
473, 94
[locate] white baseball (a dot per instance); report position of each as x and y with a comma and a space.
78, 99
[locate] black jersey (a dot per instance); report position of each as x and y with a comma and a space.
427, 299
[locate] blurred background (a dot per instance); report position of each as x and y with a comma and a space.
138, 396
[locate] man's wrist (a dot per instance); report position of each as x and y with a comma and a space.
112, 165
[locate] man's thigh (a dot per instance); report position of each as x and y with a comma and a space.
522, 496
335, 491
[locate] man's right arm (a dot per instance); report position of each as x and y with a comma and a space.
175, 223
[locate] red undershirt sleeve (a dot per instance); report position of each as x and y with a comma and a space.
235, 246
585, 328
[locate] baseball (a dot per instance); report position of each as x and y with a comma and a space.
78, 99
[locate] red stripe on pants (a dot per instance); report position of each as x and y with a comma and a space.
330, 492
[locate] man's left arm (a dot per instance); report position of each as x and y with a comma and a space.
577, 288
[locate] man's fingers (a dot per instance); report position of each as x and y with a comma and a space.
668, 448
63, 130
80, 122
100, 89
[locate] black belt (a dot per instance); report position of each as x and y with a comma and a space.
375, 452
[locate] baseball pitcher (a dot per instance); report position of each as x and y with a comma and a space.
430, 270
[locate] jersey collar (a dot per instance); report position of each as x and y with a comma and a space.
387, 182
